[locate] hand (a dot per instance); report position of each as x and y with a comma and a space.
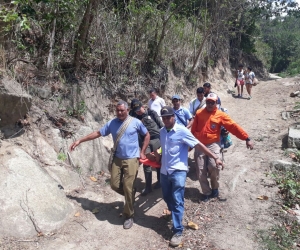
249, 144
142, 156
220, 164
74, 145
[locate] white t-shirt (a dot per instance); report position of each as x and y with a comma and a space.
240, 75
249, 77
194, 104
157, 104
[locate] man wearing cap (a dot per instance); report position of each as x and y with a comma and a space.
155, 103
206, 128
153, 123
183, 115
175, 142
207, 90
125, 163
198, 102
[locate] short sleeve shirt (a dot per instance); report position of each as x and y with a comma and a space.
182, 116
194, 104
157, 104
128, 146
174, 145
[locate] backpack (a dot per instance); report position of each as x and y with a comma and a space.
226, 141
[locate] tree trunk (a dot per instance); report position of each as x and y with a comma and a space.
83, 31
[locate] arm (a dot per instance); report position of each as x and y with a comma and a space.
89, 137
156, 118
190, 123
206, 151
145, 145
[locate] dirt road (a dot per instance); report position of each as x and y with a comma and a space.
231, 222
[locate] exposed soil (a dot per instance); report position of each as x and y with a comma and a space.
231, 222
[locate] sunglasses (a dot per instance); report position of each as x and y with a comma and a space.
210, 102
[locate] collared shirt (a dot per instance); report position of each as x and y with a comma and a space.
128, 146
175, 144
156, 104
182, 116
195, 103
207, 126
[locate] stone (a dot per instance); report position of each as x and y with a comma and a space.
28, 193
95, 152
283, 165
294, 137
66, 177
15, 103
42, 92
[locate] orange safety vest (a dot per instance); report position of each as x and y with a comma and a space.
207, 126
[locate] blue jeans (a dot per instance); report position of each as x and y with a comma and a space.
172, 186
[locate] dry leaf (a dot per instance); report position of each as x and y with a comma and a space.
77, 214
192, 225
93, 178
40, 234
95, 210
262, 197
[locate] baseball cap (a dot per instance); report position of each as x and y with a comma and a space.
176, 97
166, 111
133, 101
137, 106
212, 96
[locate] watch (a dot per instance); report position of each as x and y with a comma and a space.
248, 139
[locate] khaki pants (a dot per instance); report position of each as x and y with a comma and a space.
206, 168
123, 175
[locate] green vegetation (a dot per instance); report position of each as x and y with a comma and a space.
61, 156
281, 237
282, 35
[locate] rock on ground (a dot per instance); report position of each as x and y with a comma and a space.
30, 200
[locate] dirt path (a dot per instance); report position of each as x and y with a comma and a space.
229, 223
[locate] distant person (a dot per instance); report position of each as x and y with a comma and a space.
240, 80
249, 78
155, 103
175, 142
207, 129
153, 123
182, 115
198, 102
207, 90
125, 163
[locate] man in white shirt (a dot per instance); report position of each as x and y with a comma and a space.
156, 102
198, 102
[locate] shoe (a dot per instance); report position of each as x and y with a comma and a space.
238, 95
128, 223
157, 185
205, 198
214, 193
176, 240
249, 97
146, 191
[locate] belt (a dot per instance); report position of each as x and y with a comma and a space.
154, 137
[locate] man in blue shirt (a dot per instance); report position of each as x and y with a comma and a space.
182, 115
125, 163
175, 142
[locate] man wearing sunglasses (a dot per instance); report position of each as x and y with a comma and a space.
206, 128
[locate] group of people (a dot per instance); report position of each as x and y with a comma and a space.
170, 132
244, 77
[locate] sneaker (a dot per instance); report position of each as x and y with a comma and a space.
238, 95
205, 198
249, 97
214, 193
128, 223
176, 240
